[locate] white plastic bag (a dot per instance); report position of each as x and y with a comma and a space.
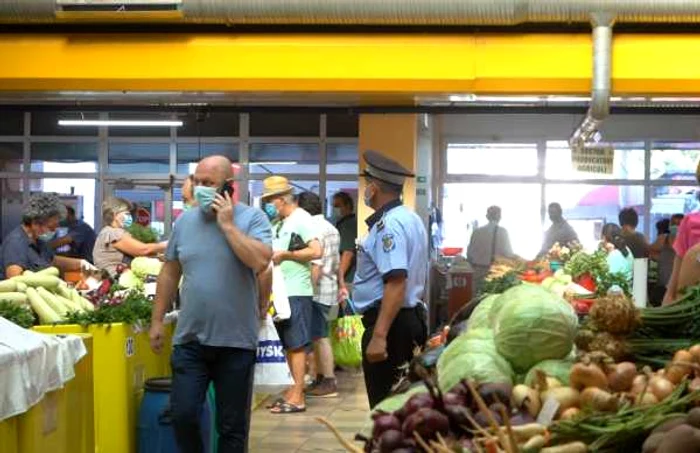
280, 300
271, 370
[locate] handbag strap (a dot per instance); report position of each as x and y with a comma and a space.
348, 309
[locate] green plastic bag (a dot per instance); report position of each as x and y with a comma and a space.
346, 340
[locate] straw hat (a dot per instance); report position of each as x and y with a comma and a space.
276, 185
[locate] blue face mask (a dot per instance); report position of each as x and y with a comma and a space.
128, 221
205, 196
337, 214
48, 236
673, 229
271, 211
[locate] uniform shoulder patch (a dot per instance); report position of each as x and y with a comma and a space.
388, 243
380, 224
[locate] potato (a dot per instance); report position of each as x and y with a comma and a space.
683, 438
668, 425
694, 417
652, 442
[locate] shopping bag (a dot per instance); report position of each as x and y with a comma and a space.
346, 338
271, 370
280, 301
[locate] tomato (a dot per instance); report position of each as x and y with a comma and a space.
530, 273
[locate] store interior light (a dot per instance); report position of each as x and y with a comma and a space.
283, 162
121, 123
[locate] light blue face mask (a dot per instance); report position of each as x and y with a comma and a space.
337, 214
48, 236
128, 221
271, 211
205, 196
673, 229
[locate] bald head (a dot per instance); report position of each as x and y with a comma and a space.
213, 171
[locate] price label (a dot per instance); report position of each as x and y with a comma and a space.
129, 346
549, 410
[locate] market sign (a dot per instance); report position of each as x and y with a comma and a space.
598, 160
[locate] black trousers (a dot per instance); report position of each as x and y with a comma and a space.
408, 330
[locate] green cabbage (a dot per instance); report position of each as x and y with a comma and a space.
143, 266
558, 369
533, 325
480, 316
129, 280
472, 356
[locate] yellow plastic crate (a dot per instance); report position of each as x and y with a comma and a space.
62, 422
8, 436
122, 362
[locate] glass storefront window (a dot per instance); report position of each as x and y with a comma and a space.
464, 210
286, 158
628, 162
150, 198
494, 159
674, 161
588, 207
214, 124
11, 157
188, 154
11, 122
64, 157
342, 159
76, 192
669, 200
139, 158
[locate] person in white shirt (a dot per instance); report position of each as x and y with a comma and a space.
324, 275
487, 243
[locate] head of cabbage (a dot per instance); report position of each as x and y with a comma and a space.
472, 356
533, 325
480, 316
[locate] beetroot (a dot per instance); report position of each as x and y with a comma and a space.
483, 420
427, 423
384, 423
459, 418
390, 440
521, 418
496, 393
418, 401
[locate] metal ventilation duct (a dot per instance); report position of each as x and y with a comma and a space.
588, 133
358, 12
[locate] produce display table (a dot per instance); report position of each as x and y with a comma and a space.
123, 361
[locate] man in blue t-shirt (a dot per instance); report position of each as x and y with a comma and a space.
218, 249
80, 238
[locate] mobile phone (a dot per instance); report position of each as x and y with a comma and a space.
227, 188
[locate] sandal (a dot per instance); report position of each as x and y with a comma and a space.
287, 408
275, 403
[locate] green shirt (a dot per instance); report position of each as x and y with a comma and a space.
297, 276
347, 227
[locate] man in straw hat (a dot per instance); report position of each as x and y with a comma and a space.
295, 246
392, 267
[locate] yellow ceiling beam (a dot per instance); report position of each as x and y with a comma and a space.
367, 64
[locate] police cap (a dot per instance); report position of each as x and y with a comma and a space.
385, 169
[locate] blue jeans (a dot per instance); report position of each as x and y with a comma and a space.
231, 370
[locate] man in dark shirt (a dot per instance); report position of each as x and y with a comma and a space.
346, 223
635, 241
80, 237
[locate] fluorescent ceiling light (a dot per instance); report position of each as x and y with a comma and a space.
565, 99
121, 123
284, 162
462, 98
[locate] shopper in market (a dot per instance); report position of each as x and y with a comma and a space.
664, 255
218, 249
188, 200
629, 219
114, 245
486, 244
620, 258
295, 246
346, 223
80, 237
389, 285
560, 232
324, 275
27, 247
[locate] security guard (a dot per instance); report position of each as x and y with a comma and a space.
392, 264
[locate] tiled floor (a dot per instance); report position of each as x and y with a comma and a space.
296, 433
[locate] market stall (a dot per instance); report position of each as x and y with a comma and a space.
553, 357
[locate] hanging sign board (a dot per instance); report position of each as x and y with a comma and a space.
598, 160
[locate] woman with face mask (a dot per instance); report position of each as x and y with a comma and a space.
114, 245
27, 246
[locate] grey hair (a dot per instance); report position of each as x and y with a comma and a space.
113, 206
289, 198
41, 207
